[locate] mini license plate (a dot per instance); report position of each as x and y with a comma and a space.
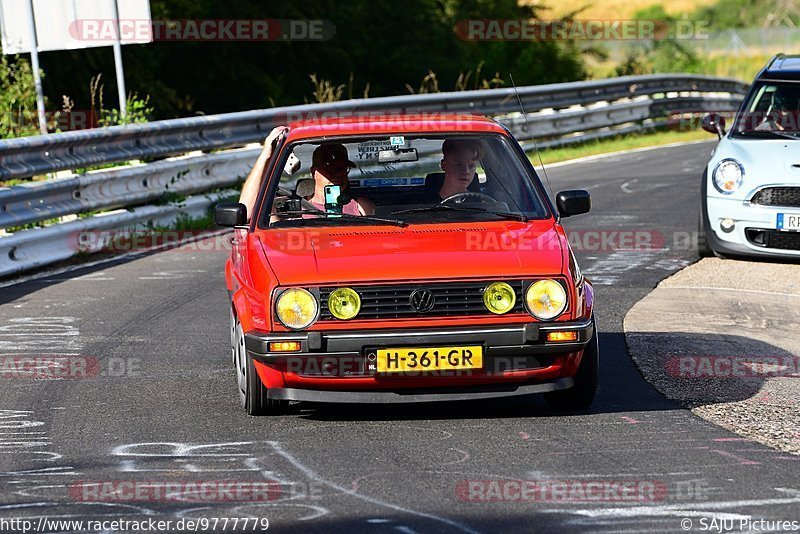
788, 221
418, 359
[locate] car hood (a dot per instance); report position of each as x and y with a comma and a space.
333, 255
765, 161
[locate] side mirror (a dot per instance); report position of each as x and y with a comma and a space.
714, 123
573, 202
230, 214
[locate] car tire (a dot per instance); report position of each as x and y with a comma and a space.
581, 395
233, 337
252, 393
704, 250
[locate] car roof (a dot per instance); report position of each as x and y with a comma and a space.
366, 123
781, 67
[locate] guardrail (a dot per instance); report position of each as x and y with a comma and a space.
559, 114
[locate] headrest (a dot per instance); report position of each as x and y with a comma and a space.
305, 187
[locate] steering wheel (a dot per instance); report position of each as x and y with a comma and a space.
460, 198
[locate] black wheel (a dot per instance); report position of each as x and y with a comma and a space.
704, 250
581, 395
252, 393
233, 337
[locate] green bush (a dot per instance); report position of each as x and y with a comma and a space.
18, 113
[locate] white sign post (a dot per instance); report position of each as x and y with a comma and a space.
37, 77
32, 26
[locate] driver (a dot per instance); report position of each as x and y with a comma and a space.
783, 113
459, 163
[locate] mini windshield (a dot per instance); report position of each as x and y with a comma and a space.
773, 110
402, 180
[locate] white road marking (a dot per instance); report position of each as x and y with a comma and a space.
311, 475
607, 271
171, 275
680, 509
626, 187
40, 335
92, 277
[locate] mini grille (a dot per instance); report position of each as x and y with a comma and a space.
778, 196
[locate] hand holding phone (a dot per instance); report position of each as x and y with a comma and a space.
332, 193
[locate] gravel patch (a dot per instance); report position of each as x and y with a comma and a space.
723, 338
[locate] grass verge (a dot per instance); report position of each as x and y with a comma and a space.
615, 144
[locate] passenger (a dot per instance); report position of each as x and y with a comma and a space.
330, 165
252, 184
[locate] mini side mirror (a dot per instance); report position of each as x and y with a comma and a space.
714, 123
573, 202
230, 214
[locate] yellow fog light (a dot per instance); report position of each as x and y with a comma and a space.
499, 298
284, 346
559, 337
546, 299
296, 308
344, 303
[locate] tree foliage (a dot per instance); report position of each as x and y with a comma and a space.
381, 44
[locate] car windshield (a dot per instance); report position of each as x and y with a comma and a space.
773, 110
402, 180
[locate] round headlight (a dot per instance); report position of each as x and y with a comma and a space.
296, 308
344, 303
546, 299
499, 298
728, 176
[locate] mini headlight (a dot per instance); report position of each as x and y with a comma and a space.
344, 303
728, 176
546, 299
499, 298
296, 308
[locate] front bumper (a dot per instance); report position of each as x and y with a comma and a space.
491, 391
749, 218
351, 353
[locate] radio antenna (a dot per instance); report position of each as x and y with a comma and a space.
530, 131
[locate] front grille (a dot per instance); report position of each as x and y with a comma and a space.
768, 238
778, 196
784, 240
451, 298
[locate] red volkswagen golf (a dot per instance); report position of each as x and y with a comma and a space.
407, 259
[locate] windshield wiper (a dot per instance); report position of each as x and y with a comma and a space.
465, 209
396, 222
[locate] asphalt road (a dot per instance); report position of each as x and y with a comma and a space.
163, 405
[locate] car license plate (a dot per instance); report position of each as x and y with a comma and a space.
789, 221
418, 359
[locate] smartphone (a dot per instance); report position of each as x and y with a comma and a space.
332, 193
